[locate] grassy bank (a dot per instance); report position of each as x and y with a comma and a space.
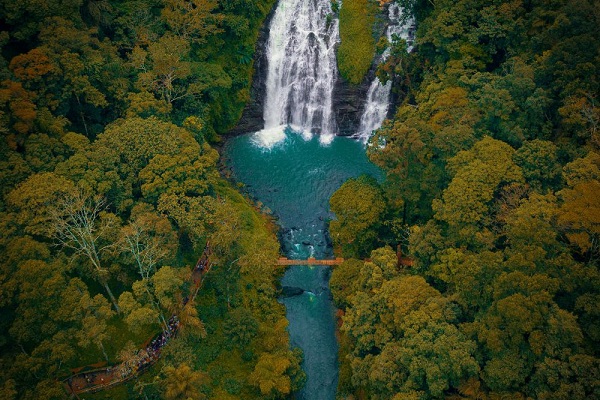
357, 43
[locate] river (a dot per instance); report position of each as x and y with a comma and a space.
295, 178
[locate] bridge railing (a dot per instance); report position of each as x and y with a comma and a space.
283, 261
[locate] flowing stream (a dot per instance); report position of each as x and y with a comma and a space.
295, 179
294, 173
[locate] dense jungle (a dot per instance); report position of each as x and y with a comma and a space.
471, 264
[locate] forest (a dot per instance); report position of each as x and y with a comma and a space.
112, 112
492, 189
110, 190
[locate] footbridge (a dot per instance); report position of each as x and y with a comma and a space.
284, 262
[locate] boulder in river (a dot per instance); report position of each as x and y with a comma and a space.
290, 291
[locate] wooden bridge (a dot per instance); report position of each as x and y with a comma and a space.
97, 377
283, 261
403, 262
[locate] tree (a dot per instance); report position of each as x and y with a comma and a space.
34, 200
269, 376
193, 20
155, 298
91, 316
477, 175
520, 330
188, 213
224, 225
182, 383
149, 239
164, 68
581, 114
433, 359
240, 327
138, 315
20, 111
467, 275
79, 223
579, 215
539, 162
26, 18
569, 379
405, 339
358, 205
190, 173
343, 282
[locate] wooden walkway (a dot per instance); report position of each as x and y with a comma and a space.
282, 262
90, 380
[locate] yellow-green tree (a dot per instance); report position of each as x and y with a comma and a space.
358, 205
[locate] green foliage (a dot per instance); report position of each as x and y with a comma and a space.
106, 110
492, 162
404, 338
478, 174
269, 376
358, 205
182, 382
539, 161
344, 281
357, 45
241, 327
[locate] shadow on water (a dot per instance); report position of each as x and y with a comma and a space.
295, 179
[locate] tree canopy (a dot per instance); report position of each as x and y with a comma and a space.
491, 189
111, 190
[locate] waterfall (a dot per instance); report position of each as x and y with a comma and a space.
378, 96
301, 70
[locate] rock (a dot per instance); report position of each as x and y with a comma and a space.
348, 99
348, 104
252, 116
290, 291
306, 243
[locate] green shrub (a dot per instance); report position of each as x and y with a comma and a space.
357, 46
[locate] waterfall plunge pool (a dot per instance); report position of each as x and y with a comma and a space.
294, 176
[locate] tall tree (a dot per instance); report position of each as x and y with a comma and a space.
358, 206
80, 223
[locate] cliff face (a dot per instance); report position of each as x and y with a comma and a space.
349, 102
348, 99
252, 116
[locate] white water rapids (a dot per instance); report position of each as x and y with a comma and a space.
378, 96
302, 70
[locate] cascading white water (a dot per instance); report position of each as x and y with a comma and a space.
302, 70
378, 96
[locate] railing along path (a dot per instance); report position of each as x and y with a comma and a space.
91, 379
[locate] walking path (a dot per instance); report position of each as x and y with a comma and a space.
87, 380
91, 379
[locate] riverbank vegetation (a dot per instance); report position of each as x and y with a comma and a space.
492, 184
357, 44
110, 190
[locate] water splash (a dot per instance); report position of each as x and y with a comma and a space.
269, 137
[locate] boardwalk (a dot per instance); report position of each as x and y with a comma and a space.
91, 380
282, 262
